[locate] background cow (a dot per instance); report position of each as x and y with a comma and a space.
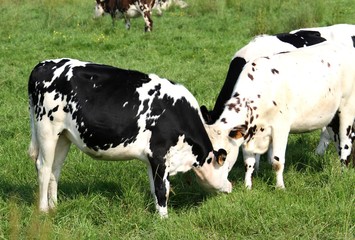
166, 4
295, 91
266, 45
127, 9
115, 114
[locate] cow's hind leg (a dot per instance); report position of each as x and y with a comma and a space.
61, 152
160, 186
47, 161
325, 139
44, 165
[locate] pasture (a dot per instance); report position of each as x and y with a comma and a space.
192, 46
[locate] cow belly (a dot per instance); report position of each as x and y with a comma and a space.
311, 123
134, 150
315, 115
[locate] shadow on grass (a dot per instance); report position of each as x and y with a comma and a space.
185, 191
300, 157
21, 192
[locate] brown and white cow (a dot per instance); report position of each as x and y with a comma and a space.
290, 92
127, 9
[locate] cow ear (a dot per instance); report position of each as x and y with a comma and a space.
238, 132
205, 114
221, 156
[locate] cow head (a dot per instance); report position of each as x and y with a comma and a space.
220, 140
213, 173
99, 9
237, 130
239, 125
102, 7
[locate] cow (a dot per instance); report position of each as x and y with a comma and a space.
115, 114
128, 9
290, 92
265, 45
164, 5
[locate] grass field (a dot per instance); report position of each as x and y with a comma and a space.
193, 46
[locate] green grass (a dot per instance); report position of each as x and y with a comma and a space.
111, 200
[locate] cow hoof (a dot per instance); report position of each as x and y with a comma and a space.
281, 187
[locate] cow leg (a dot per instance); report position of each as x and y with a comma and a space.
249, 163
158, 8
148, 21
346, 137
270, 153
279, 144
127, 22
113, 16
325, 139
159, 186
146, 13
257, 162
61, 152
44, 165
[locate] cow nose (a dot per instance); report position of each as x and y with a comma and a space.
227, 188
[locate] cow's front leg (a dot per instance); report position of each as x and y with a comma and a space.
148, 21
146, 14
346, 138
127, 22
159, 186
113, 16
279, 144
249, 163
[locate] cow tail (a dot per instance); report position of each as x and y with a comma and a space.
33, 149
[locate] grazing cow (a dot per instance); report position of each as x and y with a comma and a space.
265, 45
115, 114
290, 92
127, 9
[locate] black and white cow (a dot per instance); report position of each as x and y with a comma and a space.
266, 45
291, 92
115, 114
128, 9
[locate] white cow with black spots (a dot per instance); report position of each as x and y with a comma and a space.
265, 45
291, 92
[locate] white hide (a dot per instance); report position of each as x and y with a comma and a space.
298, 91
